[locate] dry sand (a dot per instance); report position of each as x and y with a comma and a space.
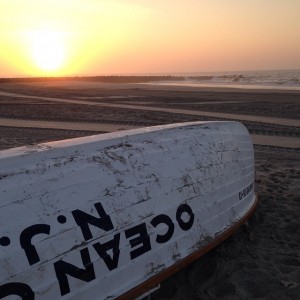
260, 261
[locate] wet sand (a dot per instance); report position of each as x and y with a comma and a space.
262, 259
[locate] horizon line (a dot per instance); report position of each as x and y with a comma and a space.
151, 74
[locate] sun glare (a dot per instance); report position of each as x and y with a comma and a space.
47, 49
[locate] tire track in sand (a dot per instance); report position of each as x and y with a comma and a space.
257, 139
263, 119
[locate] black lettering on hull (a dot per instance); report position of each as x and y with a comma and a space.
26, 237
83, 220
62, 269
16, 288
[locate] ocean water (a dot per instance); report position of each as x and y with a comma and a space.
286, 80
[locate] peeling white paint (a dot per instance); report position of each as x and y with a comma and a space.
119, 207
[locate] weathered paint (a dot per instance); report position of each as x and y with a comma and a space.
94, 217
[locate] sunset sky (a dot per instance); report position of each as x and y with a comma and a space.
99, 37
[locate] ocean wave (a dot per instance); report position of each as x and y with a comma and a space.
261, 78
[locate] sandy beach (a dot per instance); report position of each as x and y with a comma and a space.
262, 259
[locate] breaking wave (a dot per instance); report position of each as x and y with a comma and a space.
253, 80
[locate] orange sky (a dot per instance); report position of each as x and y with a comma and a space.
94, 37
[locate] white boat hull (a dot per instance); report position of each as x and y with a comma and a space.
111, 215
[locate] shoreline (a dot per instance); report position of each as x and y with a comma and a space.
157, 85
228, 87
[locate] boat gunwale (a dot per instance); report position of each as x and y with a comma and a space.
164, 274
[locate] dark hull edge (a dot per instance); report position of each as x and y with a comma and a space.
155, 280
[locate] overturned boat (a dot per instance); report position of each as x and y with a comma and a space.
110, 216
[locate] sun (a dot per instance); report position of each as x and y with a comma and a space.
47, 50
